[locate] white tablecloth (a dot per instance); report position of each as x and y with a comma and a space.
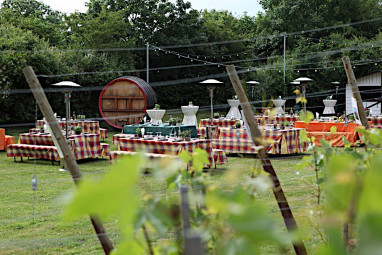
156, 115
190, 115
329, 106
279, 103
234, 112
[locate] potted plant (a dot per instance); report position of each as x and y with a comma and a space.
77, 130
157, 107
139, 132
172, 122
238, 124
216, 115
186, 134
42, 129
190, 103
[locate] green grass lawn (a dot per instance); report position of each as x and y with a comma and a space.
31, 220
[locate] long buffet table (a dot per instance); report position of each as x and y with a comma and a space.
42, 146
88, 126
232, 140
321, 130
284, 141
162, 128
154, 145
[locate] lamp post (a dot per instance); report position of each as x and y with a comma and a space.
67, 87
211, 85
303, 81
253, 83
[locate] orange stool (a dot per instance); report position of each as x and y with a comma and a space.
2, 139
9, 140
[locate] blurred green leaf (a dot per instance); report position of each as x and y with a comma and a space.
370, 200
185, 156
305, 162
340, 183
375, 137
303, 136
237, 246
333, 129
335, 244
370, 234
306, 117
114, 194
199, 158
320, 180
246, 218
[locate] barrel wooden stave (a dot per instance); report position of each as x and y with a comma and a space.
125, 100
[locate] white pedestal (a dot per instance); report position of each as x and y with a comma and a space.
329, 106
234, 112
189, 112
156, 115
279, 103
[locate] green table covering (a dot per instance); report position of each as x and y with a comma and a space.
165, 129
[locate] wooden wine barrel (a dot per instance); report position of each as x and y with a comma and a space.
124, 101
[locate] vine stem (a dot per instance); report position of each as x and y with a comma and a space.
316, 170
352, 212
149, 245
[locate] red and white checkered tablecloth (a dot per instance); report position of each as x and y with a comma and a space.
86, 146
87, 125
375, 122
164, 147
117, 137
237, 141
83, 146
218, 122
277, 119
38, 151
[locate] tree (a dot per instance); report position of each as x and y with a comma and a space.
34, 16
21, 48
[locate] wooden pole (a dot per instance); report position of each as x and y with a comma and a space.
193, 244
69, 158
184, 209
354, 88
278, 192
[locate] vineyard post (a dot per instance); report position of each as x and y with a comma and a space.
192, 242
362, 115
69, 159
354, 88
278, 192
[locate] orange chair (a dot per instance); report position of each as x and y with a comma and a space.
5, 140
2, 139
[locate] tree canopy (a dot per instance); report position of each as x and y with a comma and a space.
186, 45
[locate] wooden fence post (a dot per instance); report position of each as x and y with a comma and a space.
278, 192
354, 88
69, 158
193, 244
